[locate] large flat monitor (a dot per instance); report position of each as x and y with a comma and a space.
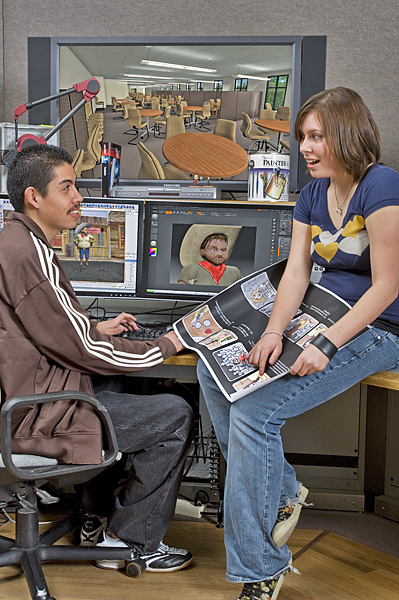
103, 255
236, 69
257, 235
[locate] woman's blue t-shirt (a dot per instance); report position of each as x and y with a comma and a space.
345, 252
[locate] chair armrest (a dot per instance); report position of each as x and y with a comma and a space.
31, 472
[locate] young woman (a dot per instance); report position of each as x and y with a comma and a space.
347, 221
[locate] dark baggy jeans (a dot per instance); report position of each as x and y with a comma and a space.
155, 432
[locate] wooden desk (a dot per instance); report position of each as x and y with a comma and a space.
205, 155
385, 379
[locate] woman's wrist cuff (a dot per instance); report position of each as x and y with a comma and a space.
324, 344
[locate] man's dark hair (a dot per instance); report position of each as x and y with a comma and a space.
33, 167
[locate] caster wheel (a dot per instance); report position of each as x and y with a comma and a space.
135, 568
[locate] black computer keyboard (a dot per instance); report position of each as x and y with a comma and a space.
146, 333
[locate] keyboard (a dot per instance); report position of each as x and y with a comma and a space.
146, 334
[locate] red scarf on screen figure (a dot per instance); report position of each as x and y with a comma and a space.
216, 271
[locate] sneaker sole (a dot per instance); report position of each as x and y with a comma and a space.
112, 565
284, 529
170, 569
279, 584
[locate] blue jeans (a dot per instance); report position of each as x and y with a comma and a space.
258, 479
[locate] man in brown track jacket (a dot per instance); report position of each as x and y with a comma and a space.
48, 343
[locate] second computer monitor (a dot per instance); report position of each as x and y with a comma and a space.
193, 250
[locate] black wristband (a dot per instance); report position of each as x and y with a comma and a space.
324, 344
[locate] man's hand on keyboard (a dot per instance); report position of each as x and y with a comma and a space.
175, 340
121, 323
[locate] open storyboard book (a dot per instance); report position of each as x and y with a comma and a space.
223, 329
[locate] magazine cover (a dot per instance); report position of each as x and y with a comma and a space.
268, 176
110, 167
223, 329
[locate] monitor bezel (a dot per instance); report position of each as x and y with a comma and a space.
199, 298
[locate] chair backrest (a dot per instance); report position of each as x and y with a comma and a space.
268, 106
265, 113
246, 124
206, 110
166, 112
179, 109
183, 102
283, 113
134, 117
174, 126
94, 143
226, 128
150, 166
155, 104
164, 103
130, 104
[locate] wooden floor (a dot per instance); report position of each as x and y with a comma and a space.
331, 568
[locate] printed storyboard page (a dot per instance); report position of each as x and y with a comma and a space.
224, 329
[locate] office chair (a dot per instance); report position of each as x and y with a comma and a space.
283, 113
266, 113
161, 120
99, 103
174, 126
253, 134
203, 116
20, 478
151, 167
180, 112
135, 125
226, 128
83, 160
116, 107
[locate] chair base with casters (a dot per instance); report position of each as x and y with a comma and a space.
30, 548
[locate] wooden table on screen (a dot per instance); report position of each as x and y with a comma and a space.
205, 155
193, 110
150, 113
275, 125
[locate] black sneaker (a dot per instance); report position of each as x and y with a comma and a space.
262, 590
92, 526
164, 560
167, 559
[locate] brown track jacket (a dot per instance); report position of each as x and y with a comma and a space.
48, 343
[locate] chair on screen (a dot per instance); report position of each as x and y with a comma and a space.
151, 167
84, 160
174, 126
265, 113
160, 121
202, 117
226, 128
136, 125
253, 134
117, 107
283, 113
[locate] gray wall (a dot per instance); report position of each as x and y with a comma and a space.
362, 39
